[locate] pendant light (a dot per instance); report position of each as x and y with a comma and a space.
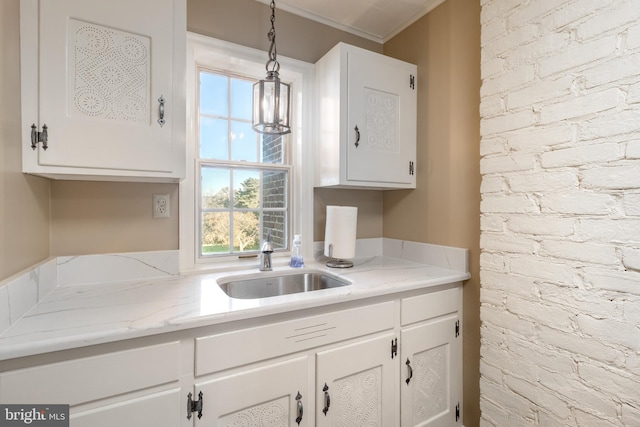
270, 96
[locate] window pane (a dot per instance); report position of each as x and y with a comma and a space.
214, 137
215, 184
241, 99
243, 138
276, 222
274, 189
246, 231
215, 232
246, 189
214, 94
271, 149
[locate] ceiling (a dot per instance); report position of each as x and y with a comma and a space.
377, 20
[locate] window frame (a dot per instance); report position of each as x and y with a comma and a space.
208, 53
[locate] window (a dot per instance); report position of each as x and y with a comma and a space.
243, 175
241, 185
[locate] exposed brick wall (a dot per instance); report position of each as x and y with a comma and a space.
560, 213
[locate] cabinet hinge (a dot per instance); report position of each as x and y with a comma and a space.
457, 411
194, 405
39, 137
412, 81
457, 328
412, 169
394, 347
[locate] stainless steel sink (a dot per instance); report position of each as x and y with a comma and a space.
265, 285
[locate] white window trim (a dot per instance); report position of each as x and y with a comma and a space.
206, 50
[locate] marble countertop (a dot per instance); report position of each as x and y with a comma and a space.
86, 314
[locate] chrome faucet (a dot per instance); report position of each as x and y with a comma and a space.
265, 254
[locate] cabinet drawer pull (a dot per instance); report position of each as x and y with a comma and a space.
327, 399
161, 120
410, 371
357, 136
300, 408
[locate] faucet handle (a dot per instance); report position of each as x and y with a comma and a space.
266, 245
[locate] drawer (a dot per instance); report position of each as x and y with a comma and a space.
218, 352
90, 378
430, 305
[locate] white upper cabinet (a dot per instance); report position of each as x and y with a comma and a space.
366, 120
107, 79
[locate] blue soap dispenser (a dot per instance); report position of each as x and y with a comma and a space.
296, 253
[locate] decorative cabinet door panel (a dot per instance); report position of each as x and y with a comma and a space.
356, 385
431, 395
274, 395
382, 108
107, 88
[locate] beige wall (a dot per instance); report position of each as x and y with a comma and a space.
445, 207
24, 199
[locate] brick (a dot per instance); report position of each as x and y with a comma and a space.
546, 45
491, 373
579, 251
631, 204
508, 204
543, 181
571, 13
491, 297
573, 108
579, 203
629, 414
491, 66
507, 321
615, 71
596, 303
611, 331
506, 283
610, 19
611, 380
625, 231
491, 30
553, 271
492, 146
542, 398
511, 40
586, 417
492, 106
578, 54
492, 223
633, 37
507, 81
506, 163
506, 122
576, 344
620, 177
625, 282
633, 150
507, 243
495, 10
540, 91
538, 138
495, 415
493, 184
542, 225
549, 360
580, 156
541, 314
575, 392
608, 125
522, 411
531, 11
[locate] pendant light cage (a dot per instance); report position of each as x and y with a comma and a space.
271, 97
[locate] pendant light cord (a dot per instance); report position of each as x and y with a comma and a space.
273, 61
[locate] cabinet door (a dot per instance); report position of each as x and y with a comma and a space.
103, 68
382, 106
273, 395
430, 396
356, 385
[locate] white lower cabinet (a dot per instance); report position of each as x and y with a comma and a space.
395, 362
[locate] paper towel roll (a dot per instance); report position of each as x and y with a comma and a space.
340, 231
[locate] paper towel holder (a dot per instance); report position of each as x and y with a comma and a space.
337, 263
